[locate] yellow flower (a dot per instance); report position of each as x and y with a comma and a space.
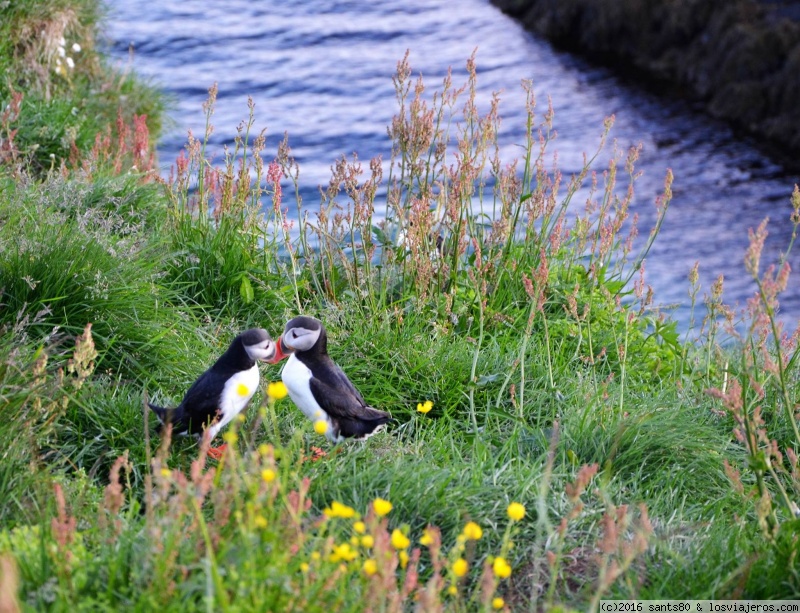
242, 390
304, 567
359, 527
166, 472
342, 552
354, 541
399, 540
263, 449
370, 567
367, 540
268, 475
240, 418
501, 568
424, 407
426, 538
515, 511
260, 521
315, 555
403, 555
230, 437
473, 531
337, 509
381, 506
277, 390
452, 590
320, 426
498, 603
460, 567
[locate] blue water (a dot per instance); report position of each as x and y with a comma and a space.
322, 72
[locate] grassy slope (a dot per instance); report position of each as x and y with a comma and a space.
538, 357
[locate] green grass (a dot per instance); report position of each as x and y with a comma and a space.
64, 108
544, 358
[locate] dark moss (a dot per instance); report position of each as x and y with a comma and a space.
741, 58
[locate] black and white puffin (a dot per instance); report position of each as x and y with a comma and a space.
318, 386
223, 391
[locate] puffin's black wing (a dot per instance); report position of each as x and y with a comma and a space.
339, 398
201, 402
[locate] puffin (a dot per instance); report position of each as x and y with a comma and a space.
318, 386
223, 391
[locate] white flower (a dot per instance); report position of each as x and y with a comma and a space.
76, 47
70, 62
61, 51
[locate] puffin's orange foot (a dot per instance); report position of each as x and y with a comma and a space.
217, 452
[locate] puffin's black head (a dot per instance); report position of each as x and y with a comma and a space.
258, 344
302, 333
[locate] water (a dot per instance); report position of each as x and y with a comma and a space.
323, 74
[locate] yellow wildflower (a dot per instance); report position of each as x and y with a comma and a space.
354, 541
498, 603
240, 418
337, 509
381, 507
460, 567
304, 567
268, 475
473, 531
367, 540
424, 407
277, 390
263, 449
342, 552
501, 568
370, 567
315, 555
403, 555
515, 511
260, 521
452, 590
426, 538
166, 472
399, 540
230, 437
360, 527
320, 426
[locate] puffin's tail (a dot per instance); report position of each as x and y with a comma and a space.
168, 416
370, 422
379, 418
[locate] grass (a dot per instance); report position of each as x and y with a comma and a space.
63, 96
647, 466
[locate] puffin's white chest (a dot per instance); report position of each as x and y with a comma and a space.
238, 391
296, 377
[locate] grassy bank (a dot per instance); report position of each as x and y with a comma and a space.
641, 465
63, 104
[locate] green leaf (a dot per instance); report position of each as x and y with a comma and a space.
246, 290
486, 379
380, 235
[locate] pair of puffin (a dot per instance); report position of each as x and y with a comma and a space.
315, 384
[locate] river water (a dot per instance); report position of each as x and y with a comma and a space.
322, 72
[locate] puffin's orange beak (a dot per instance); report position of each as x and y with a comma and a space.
279, 352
